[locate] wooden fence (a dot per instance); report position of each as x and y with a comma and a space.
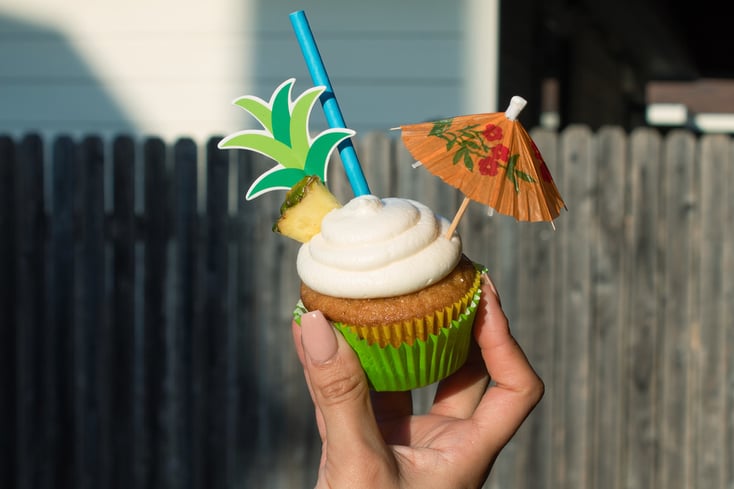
145, 310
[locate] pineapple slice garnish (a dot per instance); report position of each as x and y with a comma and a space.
305, 205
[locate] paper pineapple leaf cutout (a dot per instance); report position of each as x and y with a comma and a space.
285, 138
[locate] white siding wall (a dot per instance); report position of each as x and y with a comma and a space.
172, 67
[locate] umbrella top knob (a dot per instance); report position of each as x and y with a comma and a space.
517, 103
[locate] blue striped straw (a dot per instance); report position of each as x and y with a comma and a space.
328, 100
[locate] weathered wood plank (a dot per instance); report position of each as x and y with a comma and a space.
122, 314
571, 383
216, 348
8, 380
150, 463
59, 342
695, 347
642, 314
29, 294
182, 464
713, 320
608, 298
678, 176
727, 296
90, 333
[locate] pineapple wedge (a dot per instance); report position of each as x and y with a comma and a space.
305, 205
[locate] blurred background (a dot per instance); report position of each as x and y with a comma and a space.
144, 305
172, 68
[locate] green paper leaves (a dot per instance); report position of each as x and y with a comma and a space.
285, 138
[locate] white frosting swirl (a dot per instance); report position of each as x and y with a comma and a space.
378, 248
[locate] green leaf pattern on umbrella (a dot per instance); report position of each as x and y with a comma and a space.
285, 138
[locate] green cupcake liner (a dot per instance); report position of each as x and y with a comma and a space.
408, 367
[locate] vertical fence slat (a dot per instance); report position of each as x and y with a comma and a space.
675, 402
727, 297
29, 275
608, 302
714, 319
59, 338
575, 300
216, 348
151, 459
642, 316
91, 340
122, 315
184, 465
8, 380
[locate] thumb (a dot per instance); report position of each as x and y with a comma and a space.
339, 389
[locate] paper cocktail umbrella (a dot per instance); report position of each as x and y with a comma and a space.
491, 159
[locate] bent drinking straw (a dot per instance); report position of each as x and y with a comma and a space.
328, 100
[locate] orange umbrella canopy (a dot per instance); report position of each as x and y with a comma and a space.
491, 159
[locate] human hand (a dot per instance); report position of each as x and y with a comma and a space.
373, 440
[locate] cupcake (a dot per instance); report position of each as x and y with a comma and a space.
402, 294
387, 272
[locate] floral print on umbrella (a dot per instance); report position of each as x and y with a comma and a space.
484, 146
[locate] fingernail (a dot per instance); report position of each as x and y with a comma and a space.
487, 280
318, 337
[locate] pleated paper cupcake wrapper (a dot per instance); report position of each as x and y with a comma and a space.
425, 361
416, 328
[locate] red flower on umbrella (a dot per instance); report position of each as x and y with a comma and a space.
488, 166
492, 132
500, 152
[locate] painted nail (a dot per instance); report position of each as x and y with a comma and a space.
318, 337
486, 280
